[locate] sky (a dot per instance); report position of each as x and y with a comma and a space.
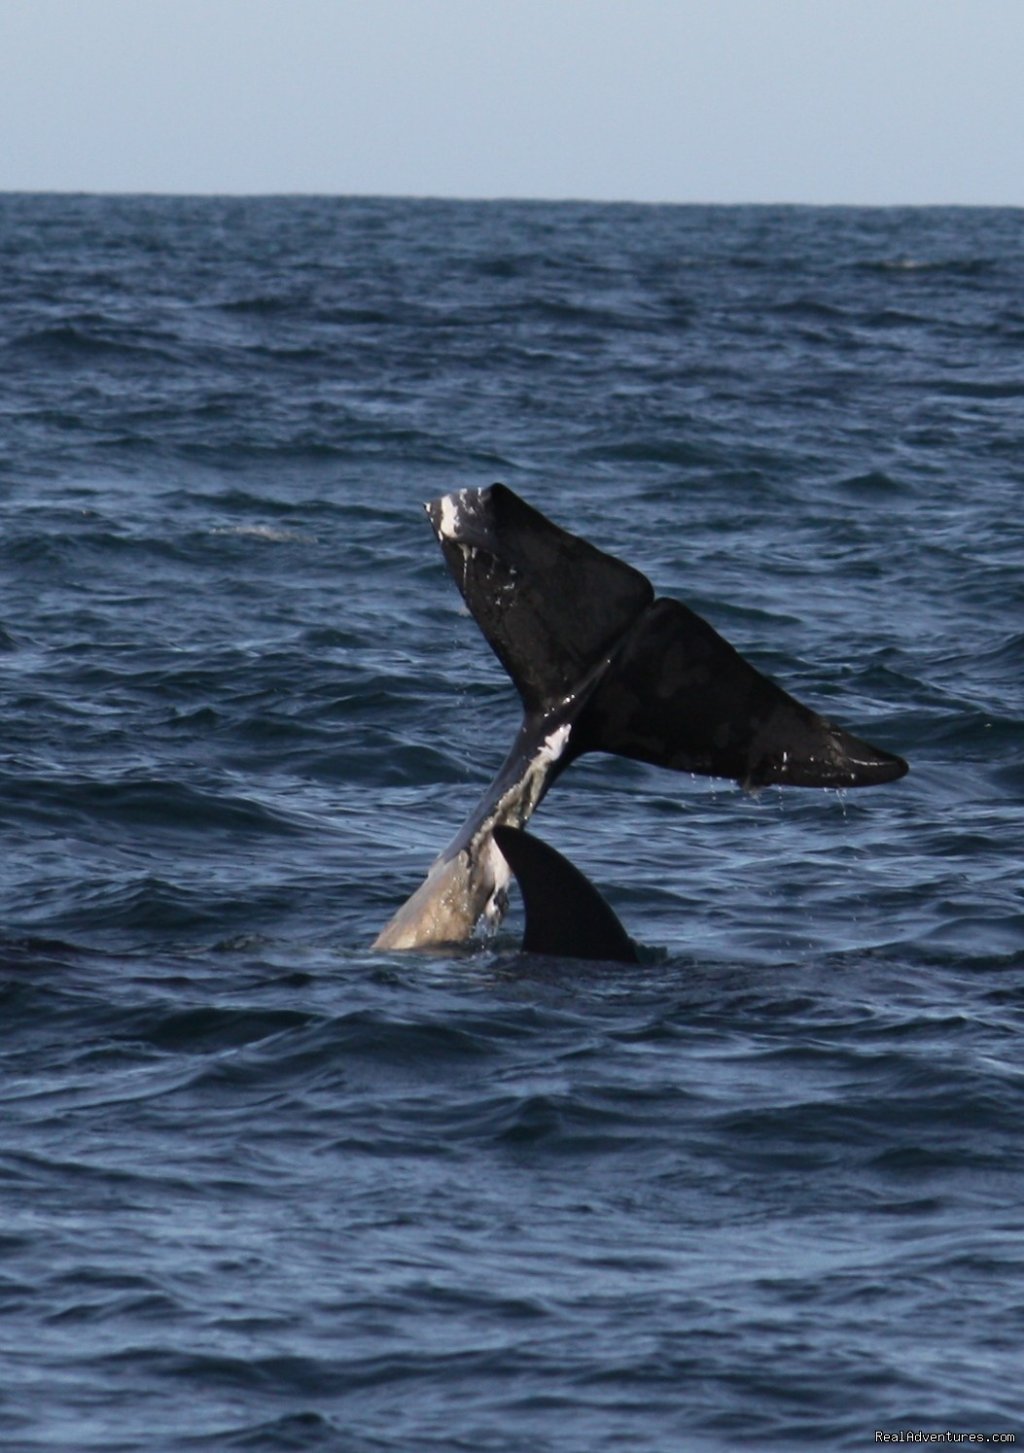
818, 101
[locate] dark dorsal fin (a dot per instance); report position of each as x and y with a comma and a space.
565, 914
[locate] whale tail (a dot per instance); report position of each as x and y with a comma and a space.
583, 637
565, 914
601, 666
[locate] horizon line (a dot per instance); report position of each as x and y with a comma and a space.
489, 198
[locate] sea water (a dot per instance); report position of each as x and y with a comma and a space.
261, 1188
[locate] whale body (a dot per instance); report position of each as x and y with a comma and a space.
601, 664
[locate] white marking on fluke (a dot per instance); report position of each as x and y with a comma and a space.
553, 744
449, 526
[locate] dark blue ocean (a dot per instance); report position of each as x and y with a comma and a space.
262, 1189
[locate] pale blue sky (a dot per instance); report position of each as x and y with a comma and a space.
866, 101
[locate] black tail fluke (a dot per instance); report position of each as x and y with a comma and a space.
582, 636
551, 606
566, 917
678, 695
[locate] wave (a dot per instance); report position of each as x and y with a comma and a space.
954, 267
95, 340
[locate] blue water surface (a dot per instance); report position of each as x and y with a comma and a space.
261, 1188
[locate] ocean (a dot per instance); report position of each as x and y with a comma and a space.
264, 1189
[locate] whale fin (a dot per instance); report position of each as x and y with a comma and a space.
678, 695
600, 665
565, 914
551, 606
581, 634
